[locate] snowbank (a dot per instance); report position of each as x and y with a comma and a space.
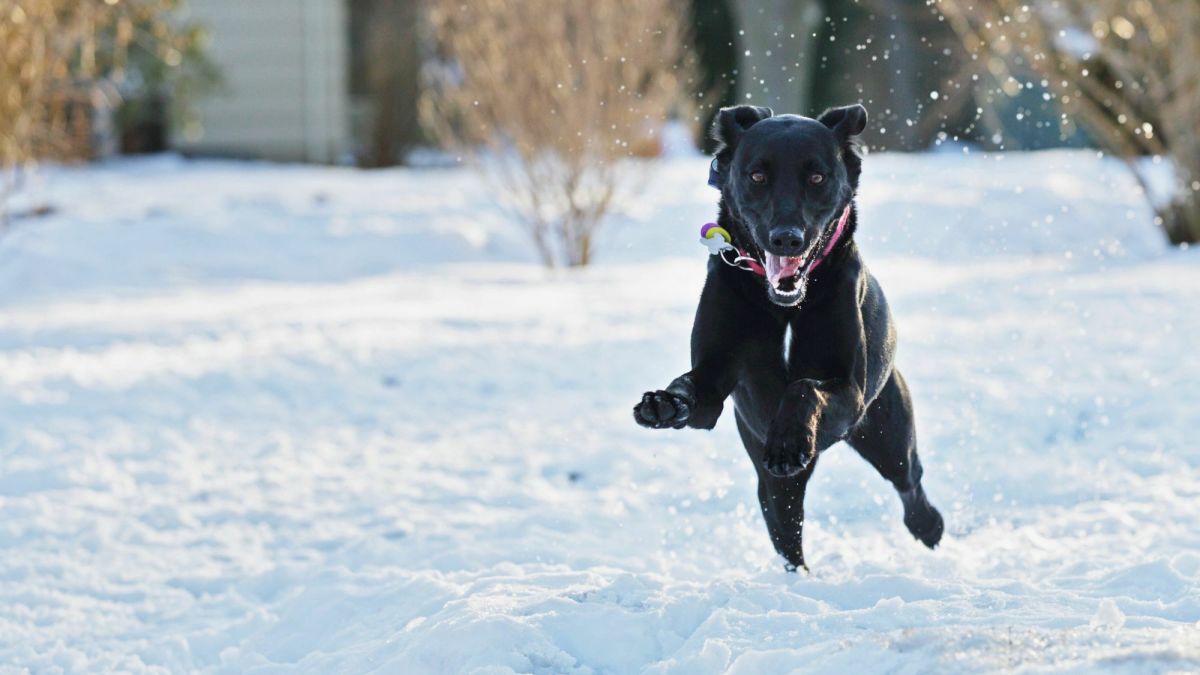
267, 418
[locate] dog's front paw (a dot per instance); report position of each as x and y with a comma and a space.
663, 410
790, 449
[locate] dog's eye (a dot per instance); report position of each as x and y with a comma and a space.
816, 179
758, 177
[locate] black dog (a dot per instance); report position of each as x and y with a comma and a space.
787, 189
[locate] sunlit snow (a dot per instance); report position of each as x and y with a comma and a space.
260, 417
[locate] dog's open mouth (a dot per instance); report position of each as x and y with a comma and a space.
787, 275
784, 273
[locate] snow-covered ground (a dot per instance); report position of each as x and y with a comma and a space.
268, 418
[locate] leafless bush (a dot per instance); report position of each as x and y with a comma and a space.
26, 33
61, 60
556, 94
1129, 70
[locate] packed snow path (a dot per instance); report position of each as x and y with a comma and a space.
284, 418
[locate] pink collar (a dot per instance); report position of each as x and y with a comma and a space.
752, 265
837, 234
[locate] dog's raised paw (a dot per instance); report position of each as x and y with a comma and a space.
788, 454
662, 410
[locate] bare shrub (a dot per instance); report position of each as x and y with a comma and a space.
555, 93
1128, 70
61, 61
27, 31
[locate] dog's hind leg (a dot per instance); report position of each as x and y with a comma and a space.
886, 437
782, 502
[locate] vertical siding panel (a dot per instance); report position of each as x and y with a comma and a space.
284, 64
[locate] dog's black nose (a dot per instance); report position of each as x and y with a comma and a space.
788, 241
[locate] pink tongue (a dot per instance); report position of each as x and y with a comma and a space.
781, 267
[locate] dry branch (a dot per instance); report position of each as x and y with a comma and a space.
553, 96
59, 61
1128, 71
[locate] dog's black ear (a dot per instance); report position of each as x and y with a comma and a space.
846, 121
731, 123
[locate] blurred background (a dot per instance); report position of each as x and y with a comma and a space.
378, 83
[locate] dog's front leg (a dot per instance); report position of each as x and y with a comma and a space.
696, 398
813, 415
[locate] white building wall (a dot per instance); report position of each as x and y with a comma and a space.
286, 90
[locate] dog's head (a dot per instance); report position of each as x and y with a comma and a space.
786, 180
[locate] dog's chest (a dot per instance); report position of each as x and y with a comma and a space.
805, 349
